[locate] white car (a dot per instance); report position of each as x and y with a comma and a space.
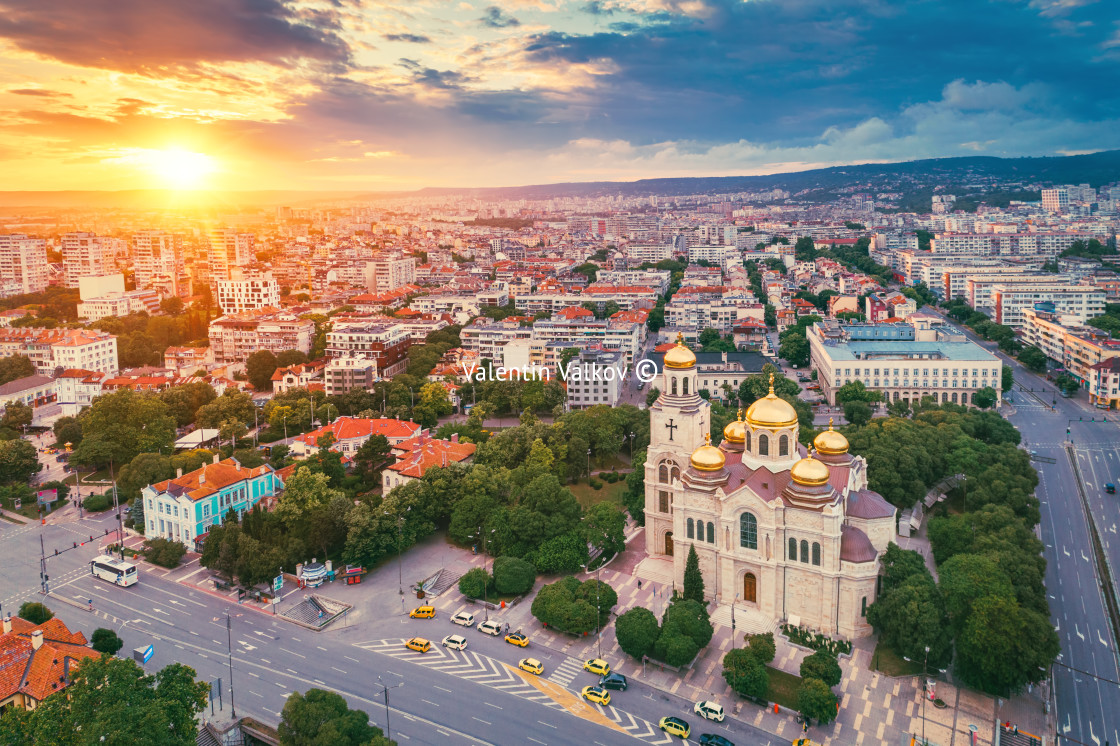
490, 627
463, 619
455, 642
709, 711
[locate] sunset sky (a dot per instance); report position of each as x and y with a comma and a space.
268, 94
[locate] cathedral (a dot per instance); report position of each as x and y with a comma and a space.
793, 534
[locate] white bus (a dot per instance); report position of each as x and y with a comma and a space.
114, 570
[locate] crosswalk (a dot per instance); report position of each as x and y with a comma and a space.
481, 669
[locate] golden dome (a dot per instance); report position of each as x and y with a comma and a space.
736, 432
830, 442
680, 357
809, 472
707, 457
772, 411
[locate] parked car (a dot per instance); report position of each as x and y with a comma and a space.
596, 695
714, 739
709, 711
518, 639
490, 627
674, 726
455, 642
463, 619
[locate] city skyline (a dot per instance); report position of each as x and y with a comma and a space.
270, 94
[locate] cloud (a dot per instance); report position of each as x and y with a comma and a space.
145, 36
495, 17
411, 38
39, 92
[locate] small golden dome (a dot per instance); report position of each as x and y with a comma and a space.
830, 442
707, 457
809, 472
772, 411
680, 357
736, 432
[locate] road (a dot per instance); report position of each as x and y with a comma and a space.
442, 697
1088, 708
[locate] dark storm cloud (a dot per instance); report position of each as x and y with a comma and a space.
412, 38
141, 35
496, 18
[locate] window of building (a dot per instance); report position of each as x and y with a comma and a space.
816, 554
793, 550
805, 551
663, 502
673, 386
763, 445
863, 607
783, 445
689, 529
748, 531
711, 533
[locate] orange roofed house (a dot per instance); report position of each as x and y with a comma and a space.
184, 508
37, 660
351, 433
416, 455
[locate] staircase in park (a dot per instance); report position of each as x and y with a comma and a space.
748, 621
446, 579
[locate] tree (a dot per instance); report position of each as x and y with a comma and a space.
513, 575
604, 527
985, 398
762, 646
322, 718
110, 695
185, 401
14, 367
1007, 379
821, 665
856, 391
106, 641
475, 583
172, 306
689, 618
795, 350
17, 416
966, 578
18, 461
637, 631
746, 673
911, 618
1003, 647
635, 497
816, 701
145, 469
899, 564
857, 413
120, 425
898, 408
35, 612
693, 579
1033, 358
288, 358
231, 406
259, 369
67, 430
434, 396
305, 493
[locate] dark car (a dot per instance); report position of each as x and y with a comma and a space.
613, 681
714, 739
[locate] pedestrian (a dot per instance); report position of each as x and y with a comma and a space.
639, 584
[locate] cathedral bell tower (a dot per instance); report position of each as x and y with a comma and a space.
679, 421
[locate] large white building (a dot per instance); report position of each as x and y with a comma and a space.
595, 377
1055, 200
903, 361
23, 265
119, 304
385, 274
230, 251
1005, 244
87, 255
235, 337
640, 253
248, 294
158, 260
784, 535
1009, 302
50, 349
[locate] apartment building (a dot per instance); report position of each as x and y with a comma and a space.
49, 349
1009, 302
119, 304
229, 252
696, 312
624, 296
904, 361
640, 253
87, 255
184, 508
488, 339
385, 343
248, 294
1066, 340
714, 254
653, 278
389, 273
978, 288
234, 337
187, 360
345, 374
1005, 244
157, 260
595, 377
1055, 200
1103, 383
953, 279
23, 265
612, 335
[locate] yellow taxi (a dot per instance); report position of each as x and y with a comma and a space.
419, 644
596, 694
518, 639
423, 612
531, 665
597, 666
805, 742
674, 726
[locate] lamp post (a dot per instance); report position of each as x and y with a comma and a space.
589, 465
925, 691
598, 636
631, 449
385, 691
481, 538
733, 616
229, 648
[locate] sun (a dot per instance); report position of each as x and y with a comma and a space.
177, 168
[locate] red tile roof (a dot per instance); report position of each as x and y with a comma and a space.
346, 428
39, 673
424, 452
209, 479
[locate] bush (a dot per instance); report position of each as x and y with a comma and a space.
816, 701
637, 631
98, 503
35, 612
513, 575
106, 641
762, 646
164, 552
596, 484
675, 648
821, 665
474, 583
816, 641
569, 605
746, 673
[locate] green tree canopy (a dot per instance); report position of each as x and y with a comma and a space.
965, 579
35, 612
816, 701
322, 718
637, 631
259, 368
122, 424
821, 665
693, 579
106, 641
19, 460
1003, 647
746, 673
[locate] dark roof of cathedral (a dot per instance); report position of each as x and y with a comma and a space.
868, 504
855, 546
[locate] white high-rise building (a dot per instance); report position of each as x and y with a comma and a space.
229, 251
1055, 200
157, 259
386, 274
86, 255
248, 294
23, 265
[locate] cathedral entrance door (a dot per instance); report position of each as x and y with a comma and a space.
749, 588
669, 543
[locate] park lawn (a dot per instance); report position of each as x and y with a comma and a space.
891, 663
611, 493
783, 688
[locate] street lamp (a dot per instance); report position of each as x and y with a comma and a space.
385, 691
925, 691
229, 648
481, 537
631, 449
588, 464
400, 573
733, 617
598, 637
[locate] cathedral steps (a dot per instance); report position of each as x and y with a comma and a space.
748, 620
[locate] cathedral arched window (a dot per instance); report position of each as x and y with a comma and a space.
783, 445
684, 386
747, 443
690, 529
748, 531
805, 551
863, 607
711, 533
763, 445
663, 474
675, 473
673, 386
793, 549
816, 554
